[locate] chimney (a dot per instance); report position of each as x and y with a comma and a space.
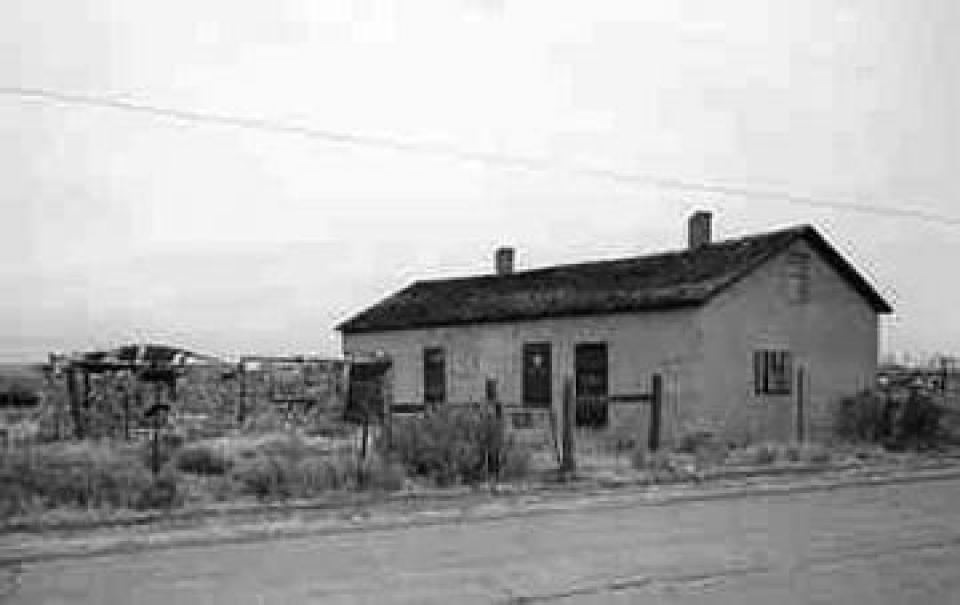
699, 229
503, 260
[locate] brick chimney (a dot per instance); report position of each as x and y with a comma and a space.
699, 229
503, 260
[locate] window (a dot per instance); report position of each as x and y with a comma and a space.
773, 372
798, 277
537, 375
434, 375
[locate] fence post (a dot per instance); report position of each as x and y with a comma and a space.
126, 410
801, 412
494, 454
568, 463
363, 446
242, 399
388, 408
656, 408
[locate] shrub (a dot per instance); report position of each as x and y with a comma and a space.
202, 459
265, 477
454, 445
318, 474
163, 492
863, 417
912, 423
283, 466
381, 473
167, 446
919, 423
322, 425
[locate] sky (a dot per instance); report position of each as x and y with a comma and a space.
120, 226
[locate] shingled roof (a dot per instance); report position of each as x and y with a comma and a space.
660, 281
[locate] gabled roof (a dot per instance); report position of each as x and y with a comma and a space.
660, 281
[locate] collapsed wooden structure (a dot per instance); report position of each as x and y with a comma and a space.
107, 393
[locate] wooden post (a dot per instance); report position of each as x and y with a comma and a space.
363, 448
74, 402
242, 400
126, 410
495, 453
801, 432
656, 410
388, 408
156, 444
568, 463
157, 400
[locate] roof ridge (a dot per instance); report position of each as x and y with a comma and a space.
799, 229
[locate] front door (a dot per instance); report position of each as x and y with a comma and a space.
537, 375
590, 374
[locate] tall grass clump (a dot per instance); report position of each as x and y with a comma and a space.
457, 444
81, 475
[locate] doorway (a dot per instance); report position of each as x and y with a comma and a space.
591, 384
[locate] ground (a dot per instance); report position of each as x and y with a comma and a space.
887, 543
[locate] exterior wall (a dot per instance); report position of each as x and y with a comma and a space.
833, 337
638, 345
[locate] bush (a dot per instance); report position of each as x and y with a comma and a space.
202, 459
918, 425
896, 423
455, 445
284, 466
167, 446
862, 418
265, 477
163, 492
384, 474
322, 425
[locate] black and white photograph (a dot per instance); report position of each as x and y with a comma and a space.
479, 301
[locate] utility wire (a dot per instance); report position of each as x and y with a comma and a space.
482, 157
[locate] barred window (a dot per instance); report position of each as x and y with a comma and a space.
773, 372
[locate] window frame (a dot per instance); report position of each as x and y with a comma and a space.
773, 372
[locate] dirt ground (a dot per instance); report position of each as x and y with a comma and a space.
893, 543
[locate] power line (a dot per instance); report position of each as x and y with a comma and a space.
482, 157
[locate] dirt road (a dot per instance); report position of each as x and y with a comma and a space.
878, 544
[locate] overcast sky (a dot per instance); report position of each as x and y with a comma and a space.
118, 226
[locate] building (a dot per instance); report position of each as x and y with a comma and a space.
755, 337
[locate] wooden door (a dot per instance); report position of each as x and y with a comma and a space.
537, 375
